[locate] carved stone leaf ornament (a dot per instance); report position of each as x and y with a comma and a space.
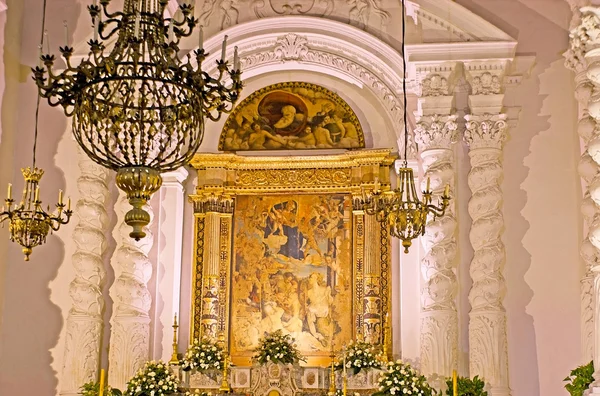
266, 8
434, 85
488, 131
225, 11
486, 84
293, 177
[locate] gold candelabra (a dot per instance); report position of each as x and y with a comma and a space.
225, 387
386, 338
174, 358
140, 107
332, 373
29, 223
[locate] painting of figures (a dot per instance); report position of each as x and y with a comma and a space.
292, 271
293, 115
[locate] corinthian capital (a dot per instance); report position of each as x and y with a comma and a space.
436, 131
485, 131
584, 36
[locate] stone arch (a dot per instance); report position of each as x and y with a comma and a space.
321, 46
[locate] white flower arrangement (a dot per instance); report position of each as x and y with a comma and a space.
402, 379
277, 347
360, 355
93, 389
154, 379
197, 392
203, 355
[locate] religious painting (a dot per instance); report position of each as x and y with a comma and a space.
292, 271
289, 116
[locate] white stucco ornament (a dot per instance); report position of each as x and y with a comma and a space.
594, 149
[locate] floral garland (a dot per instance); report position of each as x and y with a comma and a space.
360, 355
402, 379
203, 355
154, 379
277, 347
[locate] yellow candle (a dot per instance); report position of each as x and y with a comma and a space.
428, 184
454, 383
69, 204
60, 197
9, 194
37, 194
345, 374
101, 390
447, 190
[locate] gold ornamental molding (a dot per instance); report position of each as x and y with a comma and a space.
248, 209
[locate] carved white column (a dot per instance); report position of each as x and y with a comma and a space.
84, 323
488, 352
486, 131
169, 240
588, 170
585, 39
435, 134
130, 335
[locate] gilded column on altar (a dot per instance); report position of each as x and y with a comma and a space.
435, 134
358, 241
588, 168
486, 131
372, 311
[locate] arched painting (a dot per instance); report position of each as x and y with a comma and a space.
289, 116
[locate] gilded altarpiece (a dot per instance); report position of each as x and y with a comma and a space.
281, 243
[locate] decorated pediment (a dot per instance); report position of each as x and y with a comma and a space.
292, 116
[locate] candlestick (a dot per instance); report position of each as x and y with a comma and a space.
428, 184
345, 372
398, 182
60, 197
9, 193
40, 55
66, 33
96, 28
136, 30
236, 59
174, 359
447, 190
47, 41
201, 38
171, 32
224, 48
454, 383
102, 375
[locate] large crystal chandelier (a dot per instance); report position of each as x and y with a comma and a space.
401, 208
139, 109
28, 223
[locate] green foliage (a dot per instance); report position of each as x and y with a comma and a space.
93, 389
580, 379
467, 386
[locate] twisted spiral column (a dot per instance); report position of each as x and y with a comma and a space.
130, 336
588, 168
488, 350
84, 323
435, 135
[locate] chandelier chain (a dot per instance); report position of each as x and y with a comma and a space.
37, 103
404, 82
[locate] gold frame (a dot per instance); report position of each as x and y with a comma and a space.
221, 177
289, 86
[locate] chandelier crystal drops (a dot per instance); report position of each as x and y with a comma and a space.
401, 207
139, 109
